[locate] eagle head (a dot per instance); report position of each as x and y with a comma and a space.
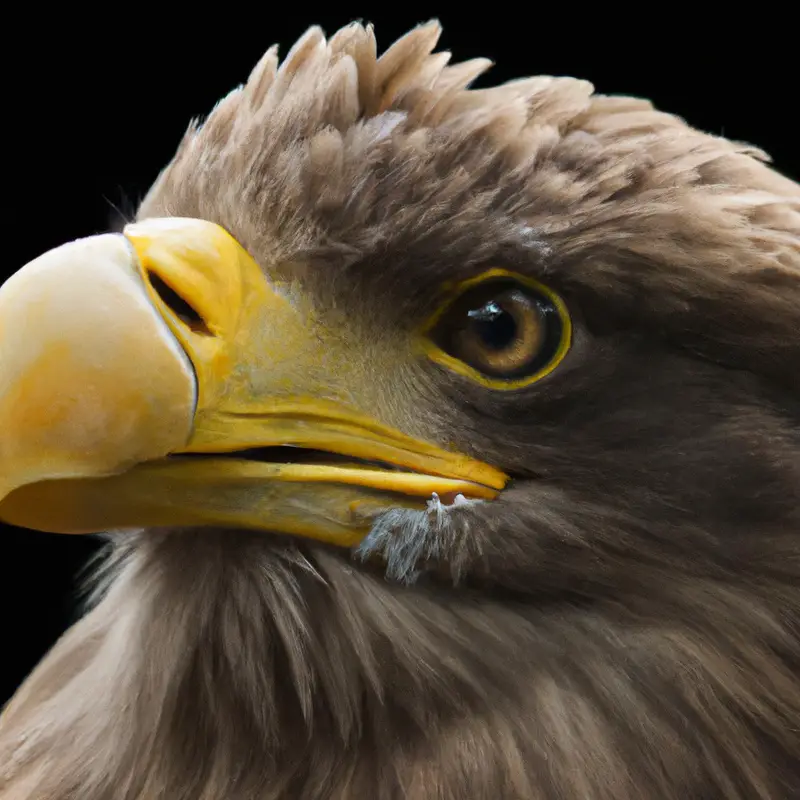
449, 445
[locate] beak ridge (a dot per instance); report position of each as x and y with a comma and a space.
73, 322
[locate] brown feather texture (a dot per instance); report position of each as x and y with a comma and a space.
623, 622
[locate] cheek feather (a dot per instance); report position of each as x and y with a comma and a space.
407, 540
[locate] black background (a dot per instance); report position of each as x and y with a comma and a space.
93, 108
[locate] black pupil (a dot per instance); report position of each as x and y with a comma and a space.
496, 328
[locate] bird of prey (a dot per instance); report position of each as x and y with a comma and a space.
448, 445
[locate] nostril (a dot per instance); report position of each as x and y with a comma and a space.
179, 306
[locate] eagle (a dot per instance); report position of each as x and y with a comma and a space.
445, 441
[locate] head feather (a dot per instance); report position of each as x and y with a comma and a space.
338, 152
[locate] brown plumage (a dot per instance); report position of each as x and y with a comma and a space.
623, 622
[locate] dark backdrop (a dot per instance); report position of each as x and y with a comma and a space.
93, 108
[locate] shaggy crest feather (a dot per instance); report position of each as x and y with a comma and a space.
333, 152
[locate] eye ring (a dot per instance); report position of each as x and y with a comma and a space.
500, 329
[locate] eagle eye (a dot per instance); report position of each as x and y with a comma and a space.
501, 329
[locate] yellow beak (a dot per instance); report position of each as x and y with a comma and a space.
150, 378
